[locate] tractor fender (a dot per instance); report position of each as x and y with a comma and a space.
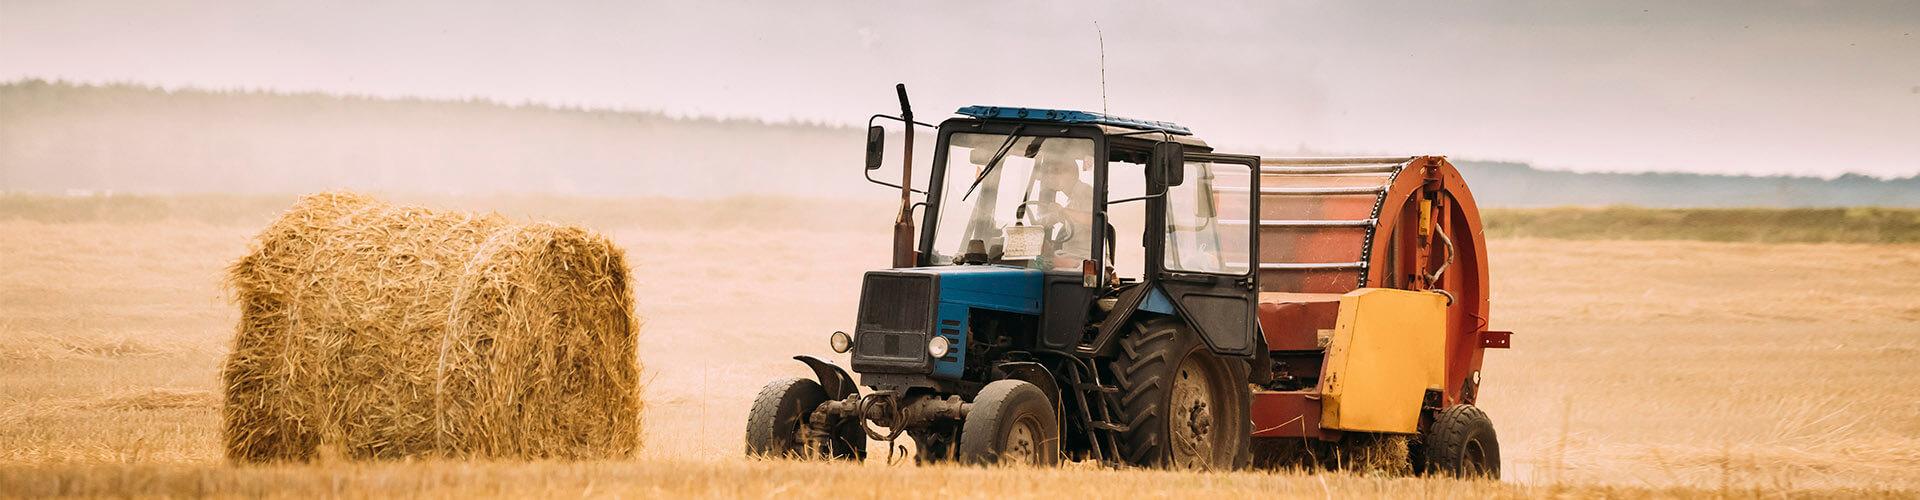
1131, 304
834, 379
1032, 373
1144, 303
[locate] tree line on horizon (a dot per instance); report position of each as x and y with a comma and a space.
65, 138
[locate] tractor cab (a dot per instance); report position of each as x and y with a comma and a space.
1043, 180
1066, 199
1038, 218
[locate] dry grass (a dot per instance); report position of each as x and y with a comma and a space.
1651, 368
158, 398
1698, 363
383, 331
779, 479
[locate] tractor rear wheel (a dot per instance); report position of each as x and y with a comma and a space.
1460, 442
1184, 407
1012, 421
778, 424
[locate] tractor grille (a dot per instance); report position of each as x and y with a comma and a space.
896, 312
896, 303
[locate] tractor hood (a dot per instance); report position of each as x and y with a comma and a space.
902, 310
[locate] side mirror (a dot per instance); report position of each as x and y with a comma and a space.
1170, 163
876, 146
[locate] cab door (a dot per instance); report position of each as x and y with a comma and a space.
1206, 255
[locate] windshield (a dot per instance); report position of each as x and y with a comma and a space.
1043, 182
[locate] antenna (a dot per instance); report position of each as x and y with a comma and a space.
1103, 66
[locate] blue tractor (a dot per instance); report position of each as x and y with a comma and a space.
1005, 332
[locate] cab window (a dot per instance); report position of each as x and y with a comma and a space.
1207, 218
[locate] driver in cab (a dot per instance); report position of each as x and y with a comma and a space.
1062, 203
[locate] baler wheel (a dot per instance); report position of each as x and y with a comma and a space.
1012, 421
1461, 443
1184, 406
777, 425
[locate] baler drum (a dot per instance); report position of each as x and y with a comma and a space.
1317, 217
1334, 225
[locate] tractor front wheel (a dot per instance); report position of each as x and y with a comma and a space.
1184, 406
1012, 421
778, 424
1461, 443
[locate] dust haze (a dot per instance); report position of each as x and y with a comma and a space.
1773, 87
73, 139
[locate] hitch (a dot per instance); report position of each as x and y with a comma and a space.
884, 409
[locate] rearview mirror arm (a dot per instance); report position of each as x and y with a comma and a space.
869, 173
897, 119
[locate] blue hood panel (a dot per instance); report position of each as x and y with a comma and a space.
1000, 288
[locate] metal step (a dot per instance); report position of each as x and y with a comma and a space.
1310, 266
1377, 168
1302, 223
1108, 389
1313, 191
1335, 160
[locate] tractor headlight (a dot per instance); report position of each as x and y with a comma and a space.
937, 346
840, 342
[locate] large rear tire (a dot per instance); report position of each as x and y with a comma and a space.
777, 425
1184, 406
1461, 443
1012, 421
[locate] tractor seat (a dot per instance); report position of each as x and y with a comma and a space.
1292, 321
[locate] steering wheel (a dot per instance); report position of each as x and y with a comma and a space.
1051, 217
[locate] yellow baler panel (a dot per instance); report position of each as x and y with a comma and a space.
1388, 348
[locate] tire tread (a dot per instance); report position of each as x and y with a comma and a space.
762, 440
1143, 373
1444, 445
980, 432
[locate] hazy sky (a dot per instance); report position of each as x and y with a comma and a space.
1813, 88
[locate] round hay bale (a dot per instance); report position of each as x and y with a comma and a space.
382, 331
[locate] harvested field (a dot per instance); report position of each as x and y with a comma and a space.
381, 331
1640, 368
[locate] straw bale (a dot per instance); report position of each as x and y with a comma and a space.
379, 331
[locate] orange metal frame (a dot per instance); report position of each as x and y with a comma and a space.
1402, 251
1420, 252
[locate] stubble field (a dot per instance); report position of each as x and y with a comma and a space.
1640, 368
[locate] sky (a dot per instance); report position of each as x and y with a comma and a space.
1756, 87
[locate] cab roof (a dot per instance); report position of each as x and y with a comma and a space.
1070, 116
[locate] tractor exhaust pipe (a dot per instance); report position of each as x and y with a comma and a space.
903, 224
